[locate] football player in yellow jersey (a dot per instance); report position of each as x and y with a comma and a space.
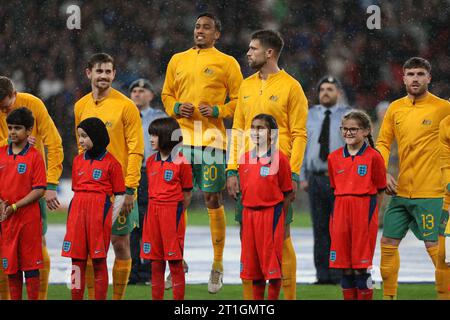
418, 194
197, 84
443, 263
273, 91
45, 135
121, 117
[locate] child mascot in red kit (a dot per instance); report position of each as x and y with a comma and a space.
169, 194
96, 177
265, 180
358, 177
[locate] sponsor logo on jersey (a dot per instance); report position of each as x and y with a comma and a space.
273, 98
427, 122
362, 170
147, 247
22, 168
108, 124
333, 256
66, 246
97, 174
264, 171
340, 171
5, 263
168, 175
246, 97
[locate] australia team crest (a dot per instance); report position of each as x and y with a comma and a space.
362, 170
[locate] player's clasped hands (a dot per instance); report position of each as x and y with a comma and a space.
391, 189
205, 109
233, 186
186, 110
128, 204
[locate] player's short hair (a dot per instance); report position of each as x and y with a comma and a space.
269, 39
22, 117
164, 129
6, 87
217, 23
100, 58
417, 62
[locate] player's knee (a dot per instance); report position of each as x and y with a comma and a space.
430, 244
213, 200
390, 241
121, 245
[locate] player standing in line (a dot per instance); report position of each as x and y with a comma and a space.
357, 175
443, 262
272, 91
417, 196
46, 139
198, 82
266, 180
22, 172
96, 176
121, 117
169, 194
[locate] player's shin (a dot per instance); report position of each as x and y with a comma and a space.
32, 282
158, 268
78, 278
217, 223
349, 287
15, 285
121, 273
178, 279
259, 287
44, 274
101, 278
4, 287
274, 289
247, 289
289, 270
390, 265
442, 273
364, 286
90, 283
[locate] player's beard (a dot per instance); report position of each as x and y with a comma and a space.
417, 92
257, 65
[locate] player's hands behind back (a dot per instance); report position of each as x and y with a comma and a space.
128, 204
391, 189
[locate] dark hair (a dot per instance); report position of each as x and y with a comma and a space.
269, 39
100, 58
270, 120
363, 120
164, 128
6, 87
22, 117
417, 62
217, 23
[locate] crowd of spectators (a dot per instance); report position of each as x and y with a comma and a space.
46, 58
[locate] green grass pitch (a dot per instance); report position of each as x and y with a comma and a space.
234, 292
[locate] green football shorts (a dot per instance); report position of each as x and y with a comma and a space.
422, 216
43, 209
443, 224
239, 208
124, 225
208, 168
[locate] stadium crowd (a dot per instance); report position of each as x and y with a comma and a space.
45, 58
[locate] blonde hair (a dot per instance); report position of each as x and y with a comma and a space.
364, 122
